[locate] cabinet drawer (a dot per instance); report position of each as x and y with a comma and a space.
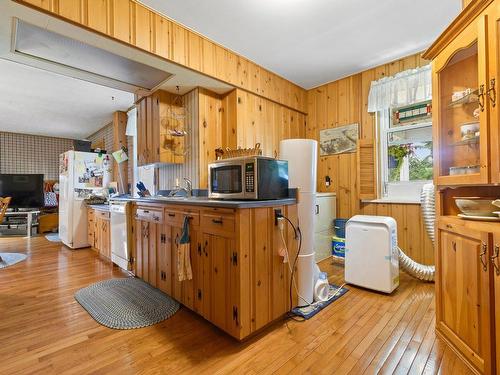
102, 215
213, 222
176, 217
147, 214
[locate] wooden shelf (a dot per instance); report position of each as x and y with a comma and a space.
467, 99
470, 141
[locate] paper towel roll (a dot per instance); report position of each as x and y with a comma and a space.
306, 211
302, 158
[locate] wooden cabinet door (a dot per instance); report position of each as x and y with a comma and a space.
164, 261
495, 263
493, 80
168, 277
459, 157
221, 308
204, 279
462, 293
147, 243
215, 294
188, 294
141, 244
90, 227
97, 233
105, 249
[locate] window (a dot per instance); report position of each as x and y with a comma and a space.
405, 150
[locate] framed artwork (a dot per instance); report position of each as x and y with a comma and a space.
340, 140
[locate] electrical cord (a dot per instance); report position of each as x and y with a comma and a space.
298, 236
287, 253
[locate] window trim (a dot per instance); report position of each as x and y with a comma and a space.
383, 124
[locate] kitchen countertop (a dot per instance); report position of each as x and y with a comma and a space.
205, 201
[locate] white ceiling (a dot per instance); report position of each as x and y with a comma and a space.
311, 42
39, 102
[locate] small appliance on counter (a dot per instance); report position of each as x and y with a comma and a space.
248, 178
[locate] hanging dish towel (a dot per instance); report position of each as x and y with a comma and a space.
183, 257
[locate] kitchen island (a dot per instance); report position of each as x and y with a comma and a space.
239, 281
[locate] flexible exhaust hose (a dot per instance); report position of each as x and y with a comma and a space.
428, 206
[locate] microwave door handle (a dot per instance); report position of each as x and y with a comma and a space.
243, 181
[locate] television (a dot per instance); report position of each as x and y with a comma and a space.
26, 190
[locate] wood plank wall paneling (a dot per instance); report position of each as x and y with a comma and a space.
265, 122
241, 119
346, 101
133, 23
211, 130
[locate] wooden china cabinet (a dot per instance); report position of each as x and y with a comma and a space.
466, 138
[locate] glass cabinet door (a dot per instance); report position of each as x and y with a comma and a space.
461, 134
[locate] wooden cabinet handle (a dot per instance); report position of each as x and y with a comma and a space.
217, 221
454, 246
171, 215
492, 94
493, 259
481, 97
205, 248
482, 256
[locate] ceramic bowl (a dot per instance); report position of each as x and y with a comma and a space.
476, 206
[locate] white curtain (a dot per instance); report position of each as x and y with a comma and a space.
405, 88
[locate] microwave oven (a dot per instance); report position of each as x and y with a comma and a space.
248, 177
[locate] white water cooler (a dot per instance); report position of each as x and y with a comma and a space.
371, 253
301, 155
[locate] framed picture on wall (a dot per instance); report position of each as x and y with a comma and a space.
339, 140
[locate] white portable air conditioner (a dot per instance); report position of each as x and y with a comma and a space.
371, 253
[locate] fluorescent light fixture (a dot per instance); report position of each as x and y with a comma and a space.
46, 45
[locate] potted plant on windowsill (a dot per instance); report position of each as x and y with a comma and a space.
397, 154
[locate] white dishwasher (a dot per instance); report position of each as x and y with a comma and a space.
120, 247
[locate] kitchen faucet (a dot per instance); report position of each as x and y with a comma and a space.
188, 189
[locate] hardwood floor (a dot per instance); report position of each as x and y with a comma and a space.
43, 330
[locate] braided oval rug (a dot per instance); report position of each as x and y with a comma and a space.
126, 303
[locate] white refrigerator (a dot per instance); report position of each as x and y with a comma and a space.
81, 174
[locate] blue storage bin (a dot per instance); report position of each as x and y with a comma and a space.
339, 225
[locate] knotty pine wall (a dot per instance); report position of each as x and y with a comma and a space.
242, 119
132, 23
344, 102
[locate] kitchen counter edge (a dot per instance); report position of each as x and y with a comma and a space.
212, 202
